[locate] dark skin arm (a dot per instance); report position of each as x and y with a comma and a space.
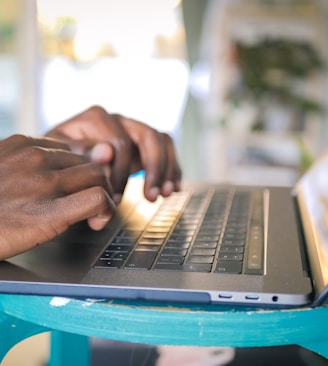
126, 146
44, 189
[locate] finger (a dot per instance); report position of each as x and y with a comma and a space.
107, 129
116, 162
155, 168
118, 156
154, 161
172, 181
93, 204
16, 141
98, 222
52, 158
123, 154
98, 151
81, 177
102, 153
49, 143
151, 155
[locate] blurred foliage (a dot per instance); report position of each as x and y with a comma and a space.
7, 37
9, 13
270, 70
306, 157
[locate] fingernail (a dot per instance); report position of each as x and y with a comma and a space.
103, 217
167, 188
178, 186
154, 192
117, 198
99, 153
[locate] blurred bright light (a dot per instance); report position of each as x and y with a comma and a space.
130, 27
134, 83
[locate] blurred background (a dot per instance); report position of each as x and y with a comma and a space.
241, 85
59, 57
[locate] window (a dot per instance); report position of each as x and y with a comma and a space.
126, 56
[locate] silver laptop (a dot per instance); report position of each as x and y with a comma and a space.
219, 244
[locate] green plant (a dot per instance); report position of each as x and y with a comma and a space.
269, 72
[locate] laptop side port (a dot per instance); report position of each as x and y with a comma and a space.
252, 297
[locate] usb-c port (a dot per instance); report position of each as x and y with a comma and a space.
252, 297
225, 296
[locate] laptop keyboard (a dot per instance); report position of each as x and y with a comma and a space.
219, 231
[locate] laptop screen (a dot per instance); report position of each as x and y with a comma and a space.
312, 194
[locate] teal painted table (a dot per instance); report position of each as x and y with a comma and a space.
73, 321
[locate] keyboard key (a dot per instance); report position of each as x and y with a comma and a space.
177, 245
232, 249
200, 251
159, 229
187, 267
230, 257
129, 233
105, 263
207, 238
170, 259
233, 242
183, 232
231, 267
234, 236
125, 240
149, 241
148, 247
153, 234
140, 260
186, 226
109, 255
162, 224
174, 251
237, 230
180, 237
213, 229
119, 247
200, 259
205, 244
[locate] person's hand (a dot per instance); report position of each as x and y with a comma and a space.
125, 146
44, 189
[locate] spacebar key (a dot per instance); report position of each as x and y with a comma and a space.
141, 260
187, 267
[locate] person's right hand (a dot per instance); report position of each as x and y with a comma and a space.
125, 146
44, 189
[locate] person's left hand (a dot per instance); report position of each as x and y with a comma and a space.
126, 146
45, 188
